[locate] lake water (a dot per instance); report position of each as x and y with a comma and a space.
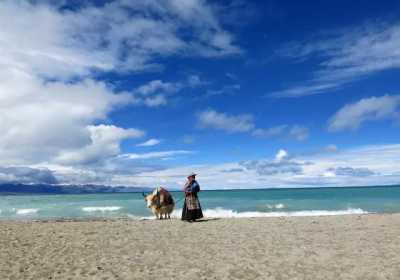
236, 203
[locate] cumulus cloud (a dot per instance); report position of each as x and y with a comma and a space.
342, 61
229, 123
105, 140
41, 120
149, 143
281, 155
54, 107
352, 116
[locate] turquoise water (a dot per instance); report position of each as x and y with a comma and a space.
238, 203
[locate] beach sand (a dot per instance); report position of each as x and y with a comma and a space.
335, 247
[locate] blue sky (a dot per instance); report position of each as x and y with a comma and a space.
246, 93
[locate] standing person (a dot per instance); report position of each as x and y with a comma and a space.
191, 208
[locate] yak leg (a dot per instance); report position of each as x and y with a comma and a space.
156, 214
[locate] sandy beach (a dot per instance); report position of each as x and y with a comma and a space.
334, 247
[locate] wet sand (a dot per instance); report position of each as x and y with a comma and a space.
334, 247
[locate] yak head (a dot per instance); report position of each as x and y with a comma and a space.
150, 199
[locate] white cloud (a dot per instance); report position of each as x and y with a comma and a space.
226, 122
300, 133
331, 148
65, 43
158, 86
270, 132
155, 101
297, 132
41, 120
157, 92
282, 154
188, 139
155, 155
105, 140
53, 112
149, 143
352, 116
350, 171
225, 90
245, 123
363, 166
346, 56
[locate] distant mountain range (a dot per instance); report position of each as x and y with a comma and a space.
17, 188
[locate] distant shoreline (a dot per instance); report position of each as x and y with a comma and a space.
176, 190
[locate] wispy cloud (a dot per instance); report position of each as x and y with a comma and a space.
155, 155
225, 90
156, 93
149, 143
345, 57
117, 36
244, 123
350, 171
226, 122
352, 116
270, 132
298, 132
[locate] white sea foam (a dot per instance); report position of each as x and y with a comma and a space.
228, 213
26, 211
276, 206
101, 208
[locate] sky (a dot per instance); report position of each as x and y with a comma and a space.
248, 94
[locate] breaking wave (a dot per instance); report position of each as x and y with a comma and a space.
228, 213
26, 211
101, 208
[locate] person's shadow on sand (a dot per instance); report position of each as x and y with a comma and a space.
206, 220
